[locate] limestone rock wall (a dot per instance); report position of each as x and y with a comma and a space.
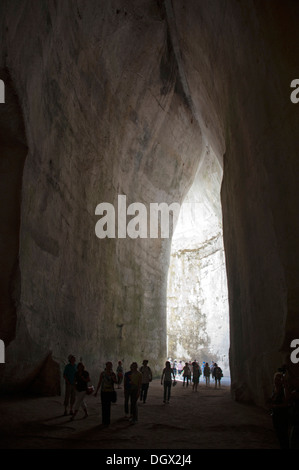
121, 97
240, 79
104, 115
197, 307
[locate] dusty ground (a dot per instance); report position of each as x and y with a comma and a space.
208, 419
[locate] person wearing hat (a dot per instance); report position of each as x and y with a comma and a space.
147, 377
70, 388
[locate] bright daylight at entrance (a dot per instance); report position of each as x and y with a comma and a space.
197, 298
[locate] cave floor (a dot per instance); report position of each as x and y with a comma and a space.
206, 419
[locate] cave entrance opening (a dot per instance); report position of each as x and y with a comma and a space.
197, 295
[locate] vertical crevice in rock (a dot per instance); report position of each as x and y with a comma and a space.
182, 86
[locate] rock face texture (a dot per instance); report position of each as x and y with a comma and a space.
197, 297
123, 97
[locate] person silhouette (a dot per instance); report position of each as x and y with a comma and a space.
147, 377
186, 374
217, 373
70, 389
166, 380
207, 373
81, 380
106, 384
132, 388
196, 375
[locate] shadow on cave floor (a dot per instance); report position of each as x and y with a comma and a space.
207, 419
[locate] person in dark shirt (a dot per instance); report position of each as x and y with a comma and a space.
186, 374
166, 380
147, 377
70, 388
81, 381
108, 394
132, 388
217, 374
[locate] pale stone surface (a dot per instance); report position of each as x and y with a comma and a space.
103, 117
122, 98
197, 309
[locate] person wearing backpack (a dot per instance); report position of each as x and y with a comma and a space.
186, 374
207, 373
166, 380
217, 373
132, 388
146, 379
196, 375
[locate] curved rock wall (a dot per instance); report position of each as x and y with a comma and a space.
104, 115
121, 98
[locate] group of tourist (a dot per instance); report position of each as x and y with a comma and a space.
190, 372
76, 385
284, 400
135, 382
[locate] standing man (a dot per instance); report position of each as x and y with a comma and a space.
186, 374
147, 377
81, 382
70, 388
106, 384
196, 375
217, 372
207, 373
132, 388
167, 375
